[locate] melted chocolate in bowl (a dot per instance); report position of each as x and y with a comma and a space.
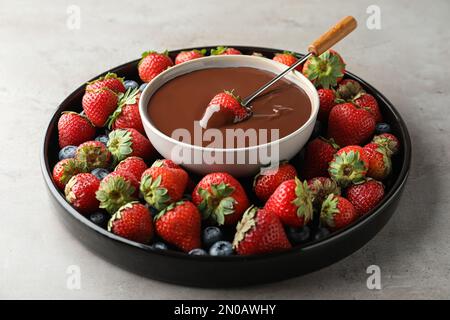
182, 101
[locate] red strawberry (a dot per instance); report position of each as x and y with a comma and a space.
319, 152
321, 187
365, 196
292, 203
326, 99
165, 163
389, 142
228, 101
127, 113
368, 102
220, 198
152, 64
349, 165
66, 169
265, 184
99, 104
133, 222
184, 56
93, 154
224, 51
80, 192
347, 90
116, 190
161, 186
326, 70
179, 224
259, 231
74, 129
350, 125
337, 212
134, 165
380, 165
129, 142
351, 91
110, 80
287, 58
170, 164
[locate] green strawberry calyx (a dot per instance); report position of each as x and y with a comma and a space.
389, 145
109, 75
217, 203
157, 164
120, 144
321, 189
303, 200
119, 213
114, 192
329, 210
70, 168
169, 208
245, 225
218, 51
70, 195
154, 193
127, 98
325, 70
93, 156
347, 168
349, 92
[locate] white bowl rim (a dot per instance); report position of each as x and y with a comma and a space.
314, 103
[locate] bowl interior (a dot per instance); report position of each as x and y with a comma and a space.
227, 61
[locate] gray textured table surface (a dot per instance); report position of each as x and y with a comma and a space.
42, 61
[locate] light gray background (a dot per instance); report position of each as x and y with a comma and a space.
42, 61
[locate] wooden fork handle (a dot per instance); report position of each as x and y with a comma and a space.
335, 34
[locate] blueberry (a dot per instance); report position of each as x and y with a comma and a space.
159, 246
321, 234
382, 128
67, 152
198, 252
130, 84
317, 131
142, 87
211, 235
298, 235
221, 248
100, 173
100, 218
103, 139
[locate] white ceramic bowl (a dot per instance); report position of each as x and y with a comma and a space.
282, 149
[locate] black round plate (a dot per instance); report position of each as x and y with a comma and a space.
208, 271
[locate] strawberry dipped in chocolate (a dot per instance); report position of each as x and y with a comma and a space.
225, 108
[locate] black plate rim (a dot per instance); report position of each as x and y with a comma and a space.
366, 219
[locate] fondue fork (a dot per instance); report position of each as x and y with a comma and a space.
336, 33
